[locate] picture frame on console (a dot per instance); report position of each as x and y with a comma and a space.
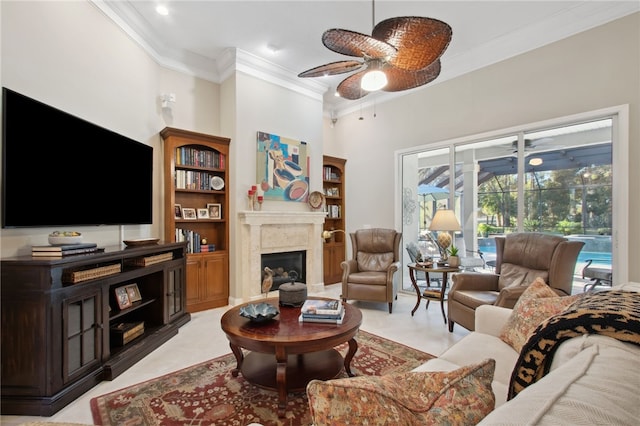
215, 210
122, 297
133, 292
189, 213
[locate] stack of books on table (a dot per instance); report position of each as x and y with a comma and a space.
64, 250
329, 311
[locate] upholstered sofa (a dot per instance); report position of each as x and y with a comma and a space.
591, 378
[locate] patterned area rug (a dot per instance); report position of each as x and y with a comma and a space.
207, 393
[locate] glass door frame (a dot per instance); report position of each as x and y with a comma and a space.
620, 165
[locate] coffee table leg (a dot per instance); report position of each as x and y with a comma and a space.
239, 358
281, 380
353, 348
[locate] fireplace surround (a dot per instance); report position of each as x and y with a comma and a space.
265, 232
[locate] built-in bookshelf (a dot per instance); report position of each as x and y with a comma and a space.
196, 211
333, 186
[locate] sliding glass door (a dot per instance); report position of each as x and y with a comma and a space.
556, 179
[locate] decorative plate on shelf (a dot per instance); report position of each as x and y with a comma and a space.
141, 242
217, 183
316, 199
261, 312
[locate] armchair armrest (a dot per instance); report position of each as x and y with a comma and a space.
348, 267
474, 281
391, 270
509, 296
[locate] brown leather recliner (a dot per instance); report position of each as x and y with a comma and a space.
368, 275
520, 259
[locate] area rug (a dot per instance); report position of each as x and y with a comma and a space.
207, 393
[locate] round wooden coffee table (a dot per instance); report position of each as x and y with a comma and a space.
286, 354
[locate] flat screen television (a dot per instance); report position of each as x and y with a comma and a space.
59, 170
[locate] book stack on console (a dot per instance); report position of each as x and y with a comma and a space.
64, 250
204, 248
329, 311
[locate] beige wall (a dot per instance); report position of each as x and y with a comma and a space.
596, 69
70, 55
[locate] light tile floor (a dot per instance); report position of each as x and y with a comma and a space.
202, 339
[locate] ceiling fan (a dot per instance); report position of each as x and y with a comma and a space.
406, 50
530, 145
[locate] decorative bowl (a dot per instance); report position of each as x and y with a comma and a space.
59, 239
141, 242
260, 312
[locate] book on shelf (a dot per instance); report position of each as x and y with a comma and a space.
207, 247
66, 252
321, 307
319, 319
64, 247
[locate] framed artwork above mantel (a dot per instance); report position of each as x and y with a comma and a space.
282, 168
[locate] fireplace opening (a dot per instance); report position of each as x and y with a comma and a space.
285, 266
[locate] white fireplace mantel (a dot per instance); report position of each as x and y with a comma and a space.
265, 232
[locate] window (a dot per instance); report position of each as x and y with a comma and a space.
555, 177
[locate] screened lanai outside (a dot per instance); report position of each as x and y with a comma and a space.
554, 180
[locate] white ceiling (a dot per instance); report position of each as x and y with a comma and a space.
196, 36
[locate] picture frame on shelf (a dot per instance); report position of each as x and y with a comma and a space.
189, 213
133, 292
122, 298
177, 211
203, 213
215, 210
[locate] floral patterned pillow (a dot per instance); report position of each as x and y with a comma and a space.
537, 303
462, 396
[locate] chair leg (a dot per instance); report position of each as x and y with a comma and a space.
450, 325
390, 306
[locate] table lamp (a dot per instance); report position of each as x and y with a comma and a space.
444, 220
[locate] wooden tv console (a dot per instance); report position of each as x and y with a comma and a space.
60, 319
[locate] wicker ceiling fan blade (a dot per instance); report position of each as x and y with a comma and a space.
419, 41
399, 79
352, 43
333, 68
350, 88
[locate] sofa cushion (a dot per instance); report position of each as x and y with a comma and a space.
462, 396
595, 387
537, 303
470, 349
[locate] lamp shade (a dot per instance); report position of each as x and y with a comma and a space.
445, 220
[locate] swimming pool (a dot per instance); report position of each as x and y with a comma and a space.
488, 247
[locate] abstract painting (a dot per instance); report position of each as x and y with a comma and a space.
282, 170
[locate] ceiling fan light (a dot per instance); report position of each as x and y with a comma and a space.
535, 161
373, 80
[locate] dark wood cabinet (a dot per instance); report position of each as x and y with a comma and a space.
334, 249
196, 176
58, 314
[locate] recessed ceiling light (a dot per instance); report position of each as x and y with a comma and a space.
162, 10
